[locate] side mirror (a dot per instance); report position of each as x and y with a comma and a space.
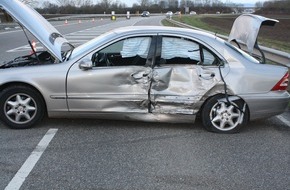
86, 64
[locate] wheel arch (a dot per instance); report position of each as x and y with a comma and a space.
207, 98
6, 85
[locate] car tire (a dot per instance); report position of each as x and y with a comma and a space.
223, 117
21, 107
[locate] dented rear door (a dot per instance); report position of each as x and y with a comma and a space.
184, 72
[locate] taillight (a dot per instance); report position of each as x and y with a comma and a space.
282, 84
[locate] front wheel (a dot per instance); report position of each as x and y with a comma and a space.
21, 107
220, 116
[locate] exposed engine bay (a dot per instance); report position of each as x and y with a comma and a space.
39, 58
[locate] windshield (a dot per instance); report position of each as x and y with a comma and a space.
241, 52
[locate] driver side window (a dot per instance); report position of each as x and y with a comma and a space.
127, 52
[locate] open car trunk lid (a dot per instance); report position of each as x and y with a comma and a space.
36, 25
246, 28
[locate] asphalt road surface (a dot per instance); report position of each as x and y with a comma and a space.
116, 155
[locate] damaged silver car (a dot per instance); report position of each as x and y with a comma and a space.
138, 73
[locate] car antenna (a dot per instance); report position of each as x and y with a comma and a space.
30, 44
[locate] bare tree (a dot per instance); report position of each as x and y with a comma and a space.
65, 2
105, 4
155, 2
144, 3
173, 4
83, 3
30, 2
207, 2
259, 4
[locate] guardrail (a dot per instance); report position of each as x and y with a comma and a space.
89, 16
271, 54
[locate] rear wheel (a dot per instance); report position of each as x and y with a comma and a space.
21, 107
223, 117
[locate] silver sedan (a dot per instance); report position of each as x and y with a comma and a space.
138, 73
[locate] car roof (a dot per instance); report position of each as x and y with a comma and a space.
160, 29
146, 30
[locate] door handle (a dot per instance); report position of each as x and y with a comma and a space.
137, 76
207, 76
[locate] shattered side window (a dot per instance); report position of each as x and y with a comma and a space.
127, 52
136, 46
209, 59
179, 51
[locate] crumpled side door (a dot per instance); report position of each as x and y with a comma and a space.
181, 78
118, 83
117, 89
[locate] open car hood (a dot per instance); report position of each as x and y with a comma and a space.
246, 28
38, 26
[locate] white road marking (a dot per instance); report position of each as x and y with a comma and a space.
24, 48
31, 161
11, 32
79, 36
74, 37
284, 120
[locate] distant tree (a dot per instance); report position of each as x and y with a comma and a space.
207, 3
105, 4
144, 3
83, 3
275, 7
65, 2
217, 3
162, 4
153, 6
259, 4
49, 8
173, 4
30, 2
155, 2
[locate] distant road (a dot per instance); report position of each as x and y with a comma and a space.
14, 44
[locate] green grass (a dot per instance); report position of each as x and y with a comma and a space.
192, 21
282, 46
196, 21
166, 23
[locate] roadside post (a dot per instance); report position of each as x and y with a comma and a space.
186, 10
128, 15
113, 16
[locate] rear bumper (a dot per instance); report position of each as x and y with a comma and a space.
266, 105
